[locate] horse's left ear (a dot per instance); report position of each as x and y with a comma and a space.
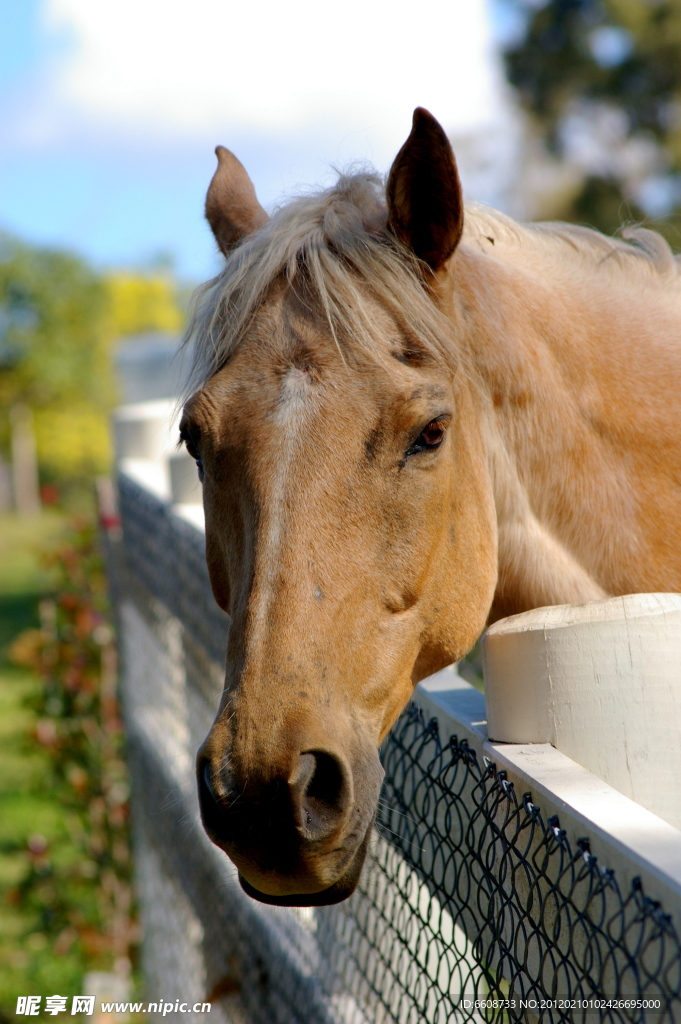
425, 204
232, 207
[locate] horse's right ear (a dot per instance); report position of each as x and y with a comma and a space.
425, 204
232, 207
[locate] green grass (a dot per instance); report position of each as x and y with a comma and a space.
23, 580
21, 541
27, 964
49, 933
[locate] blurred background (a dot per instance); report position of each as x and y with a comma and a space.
109, 114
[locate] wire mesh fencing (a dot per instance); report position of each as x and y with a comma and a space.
472, 907
549, 929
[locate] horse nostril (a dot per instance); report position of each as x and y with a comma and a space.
207, 780
209, 801
328, 783
214, 810
321, 793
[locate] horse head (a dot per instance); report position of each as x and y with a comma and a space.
350, 529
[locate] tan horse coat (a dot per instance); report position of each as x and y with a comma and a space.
577, 349
407, 420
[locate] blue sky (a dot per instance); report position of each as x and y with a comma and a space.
110, 110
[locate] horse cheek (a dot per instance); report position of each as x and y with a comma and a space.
217, 572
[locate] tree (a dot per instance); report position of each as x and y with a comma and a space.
142, 303
59, 319
602, 81
52, 345
54, 353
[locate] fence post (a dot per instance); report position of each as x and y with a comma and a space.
601, 682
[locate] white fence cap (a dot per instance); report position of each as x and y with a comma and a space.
601, 682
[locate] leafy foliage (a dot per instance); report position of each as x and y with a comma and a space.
52, 347
139, 303
59, 320
78, 891
583, 59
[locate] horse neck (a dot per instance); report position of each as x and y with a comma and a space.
565, 508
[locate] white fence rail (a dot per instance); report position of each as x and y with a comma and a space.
505, 883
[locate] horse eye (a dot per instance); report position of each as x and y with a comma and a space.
432, 436
192, 450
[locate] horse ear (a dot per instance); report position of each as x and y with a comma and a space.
425, 204
232, 207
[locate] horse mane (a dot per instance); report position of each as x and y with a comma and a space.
337, 240
637, 250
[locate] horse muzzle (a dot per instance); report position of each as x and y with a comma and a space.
298, 836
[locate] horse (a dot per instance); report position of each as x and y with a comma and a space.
411, 417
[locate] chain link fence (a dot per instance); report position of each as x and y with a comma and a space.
473, 906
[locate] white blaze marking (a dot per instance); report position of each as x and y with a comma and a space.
293, 397
289, 418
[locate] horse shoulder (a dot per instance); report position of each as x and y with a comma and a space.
535, 567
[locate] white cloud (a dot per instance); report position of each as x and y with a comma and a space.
193, 69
